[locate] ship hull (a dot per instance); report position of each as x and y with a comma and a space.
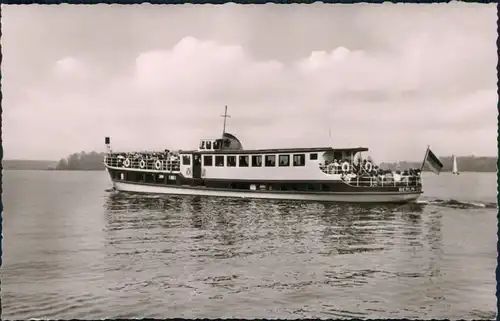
347, 197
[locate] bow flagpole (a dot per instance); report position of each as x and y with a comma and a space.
425, 158
433, 162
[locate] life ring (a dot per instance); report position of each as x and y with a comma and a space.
368, 166
158, 164
142, 163
188, 171
126, 163
345, 167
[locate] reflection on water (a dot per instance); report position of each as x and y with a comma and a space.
343, 229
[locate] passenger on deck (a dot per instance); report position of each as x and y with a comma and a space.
397, 176
336, 166
389, 177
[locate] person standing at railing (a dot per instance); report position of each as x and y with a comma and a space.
389, 178
380, 178
354, 168
336, 166
412, 179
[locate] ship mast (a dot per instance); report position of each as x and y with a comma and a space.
226, 116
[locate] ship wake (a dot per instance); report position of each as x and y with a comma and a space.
452, 203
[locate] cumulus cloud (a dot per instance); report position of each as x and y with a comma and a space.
68, 65
202, 68
423, 89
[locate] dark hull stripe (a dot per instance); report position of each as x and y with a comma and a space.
269, 191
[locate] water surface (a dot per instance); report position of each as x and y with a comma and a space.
73, 248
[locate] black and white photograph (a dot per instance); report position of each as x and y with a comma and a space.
249, 161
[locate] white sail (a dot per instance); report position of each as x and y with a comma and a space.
455, 168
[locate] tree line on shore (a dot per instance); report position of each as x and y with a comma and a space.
92, 161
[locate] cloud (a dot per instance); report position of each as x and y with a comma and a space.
425, 87
349, 84
205, 69
68, 65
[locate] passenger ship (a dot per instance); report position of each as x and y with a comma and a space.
222, 167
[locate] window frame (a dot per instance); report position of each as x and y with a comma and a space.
211, 158
254, 157
247, 160
186, 160
284, 156
313, 156
266, 160
217, 160
301, 157
231, 164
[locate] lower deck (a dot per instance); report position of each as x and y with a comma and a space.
359, 197
327, 186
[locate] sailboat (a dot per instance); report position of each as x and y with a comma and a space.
455, 168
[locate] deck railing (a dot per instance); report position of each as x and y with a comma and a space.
372, 181
369, 180
150, 163
330, 169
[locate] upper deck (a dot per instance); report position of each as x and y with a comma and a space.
276, 150
230, 145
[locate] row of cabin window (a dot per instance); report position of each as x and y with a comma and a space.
244, 160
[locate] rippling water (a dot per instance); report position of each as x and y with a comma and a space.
75, 249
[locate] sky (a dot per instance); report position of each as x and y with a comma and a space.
393, 77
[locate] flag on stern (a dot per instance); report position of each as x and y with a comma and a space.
432, 161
